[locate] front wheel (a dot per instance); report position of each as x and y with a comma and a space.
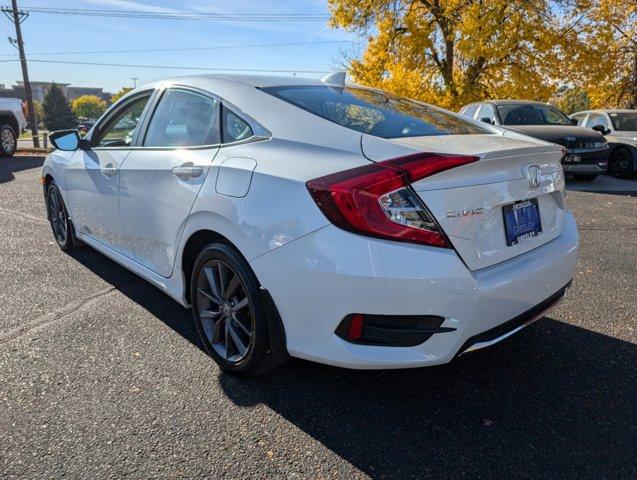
59, 219
230, 311
620, 163
8, 141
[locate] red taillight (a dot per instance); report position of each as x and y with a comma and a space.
376, 200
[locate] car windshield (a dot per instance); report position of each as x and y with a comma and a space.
626, 121
375, 112
531, 114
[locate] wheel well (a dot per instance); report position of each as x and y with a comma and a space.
193, 246
46, 181
13, 123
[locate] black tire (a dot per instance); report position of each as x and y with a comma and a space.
223, 331
620, 163
8, 140
57, 214
585, 178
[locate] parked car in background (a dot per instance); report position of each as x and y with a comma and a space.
619, 127
12, 124
586, 154
320, 220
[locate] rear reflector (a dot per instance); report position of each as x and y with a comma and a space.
390, 330
376, 199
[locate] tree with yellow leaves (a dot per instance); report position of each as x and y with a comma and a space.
88, 106
451, 52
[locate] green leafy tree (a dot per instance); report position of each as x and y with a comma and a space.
116, 96
574, 100
88, 106
58, 114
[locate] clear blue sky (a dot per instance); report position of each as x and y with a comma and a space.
45, 33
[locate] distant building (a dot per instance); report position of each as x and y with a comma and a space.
39, 89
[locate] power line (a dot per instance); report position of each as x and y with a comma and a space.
169, 67
215, 47
184, 15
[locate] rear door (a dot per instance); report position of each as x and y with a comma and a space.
161, 178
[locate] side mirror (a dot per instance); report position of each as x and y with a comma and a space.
574, 122
486, 120
601, 129
67, 140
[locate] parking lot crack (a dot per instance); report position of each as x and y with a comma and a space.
58, 314
25, 216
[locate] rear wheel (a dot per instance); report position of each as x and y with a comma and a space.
585, 178
8, 140
620, 162
230, 311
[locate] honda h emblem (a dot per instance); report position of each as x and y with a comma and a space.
533, 176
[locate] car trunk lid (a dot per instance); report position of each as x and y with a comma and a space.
468, 201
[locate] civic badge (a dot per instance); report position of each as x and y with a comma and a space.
532, 175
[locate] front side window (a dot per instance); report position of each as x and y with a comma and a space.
487, 112
579, 118
375, 112
531, 114
184, 119
597, 119
626, 121
120, 130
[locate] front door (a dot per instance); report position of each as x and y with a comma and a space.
92, 176
159, 181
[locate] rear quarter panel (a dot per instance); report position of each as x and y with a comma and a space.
277, 209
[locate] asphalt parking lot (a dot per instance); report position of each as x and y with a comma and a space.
101, 375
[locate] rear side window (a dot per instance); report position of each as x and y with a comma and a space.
375, 112
184, 119
234, 128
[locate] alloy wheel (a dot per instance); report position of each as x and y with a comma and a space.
224, 311
620, 162
7, 140
57, 216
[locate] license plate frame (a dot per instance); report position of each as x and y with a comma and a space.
521, 221
573, 158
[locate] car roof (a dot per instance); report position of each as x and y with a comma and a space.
515, 102
607, 110
259, 81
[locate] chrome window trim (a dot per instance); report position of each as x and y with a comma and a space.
264, 133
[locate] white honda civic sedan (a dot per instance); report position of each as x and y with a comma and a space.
319, 220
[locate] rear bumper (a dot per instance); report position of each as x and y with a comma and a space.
324, 276
504, 331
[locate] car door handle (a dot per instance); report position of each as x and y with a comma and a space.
187, 170
108, 170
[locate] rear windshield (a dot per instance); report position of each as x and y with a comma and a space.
624, 121
374, 112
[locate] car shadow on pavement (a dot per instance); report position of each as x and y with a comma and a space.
554, 401
141, 292
9, 166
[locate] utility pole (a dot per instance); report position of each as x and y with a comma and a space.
19, 17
